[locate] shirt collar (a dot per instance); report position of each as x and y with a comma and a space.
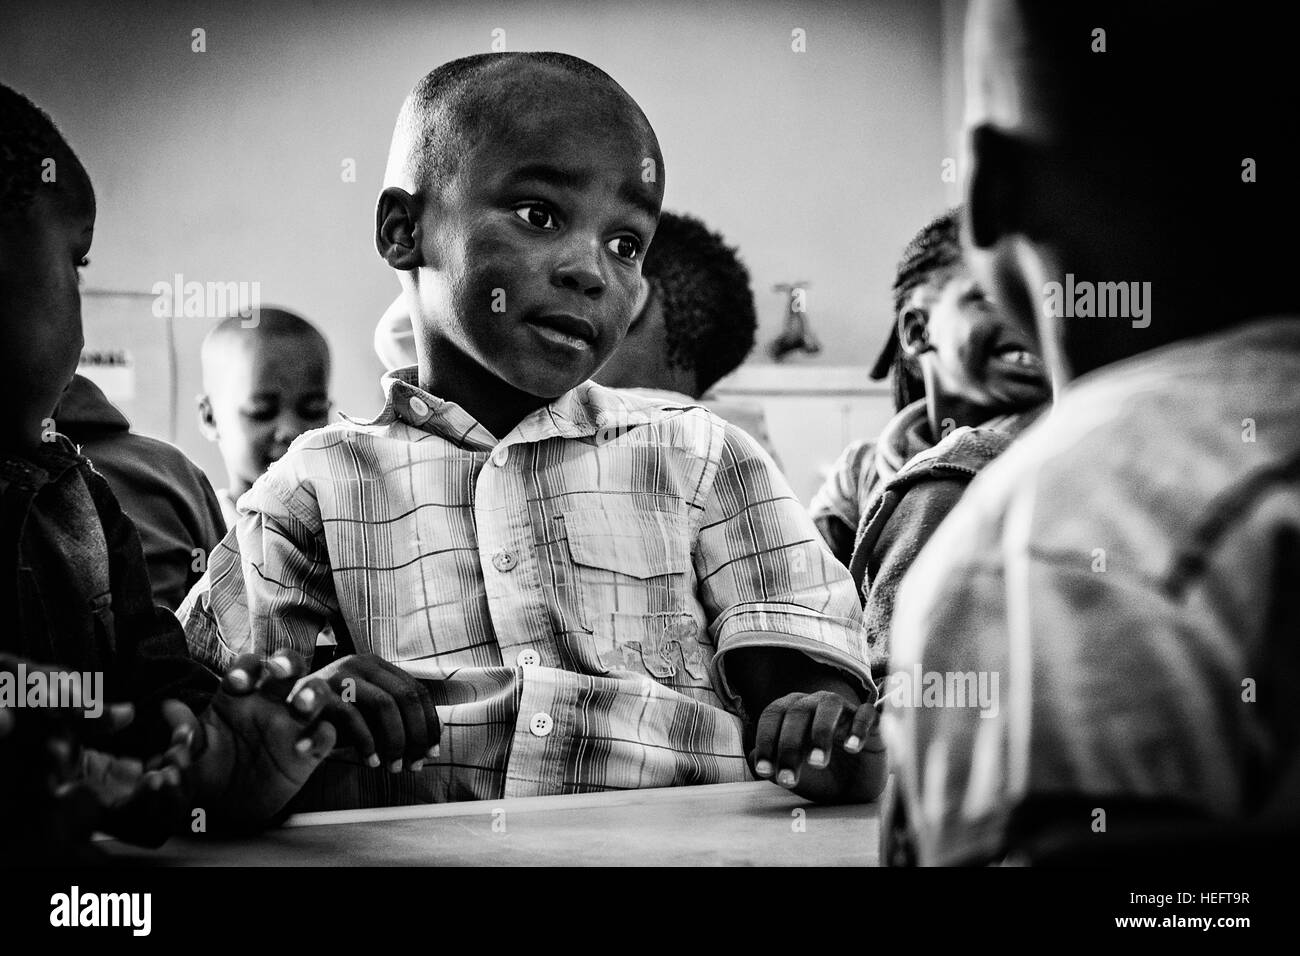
588, 411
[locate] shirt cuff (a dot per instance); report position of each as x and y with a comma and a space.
834, 641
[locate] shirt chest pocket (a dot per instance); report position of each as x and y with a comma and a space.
637, 585
628, 542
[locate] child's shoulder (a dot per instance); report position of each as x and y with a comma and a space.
634, 407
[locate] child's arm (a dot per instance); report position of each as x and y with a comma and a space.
791, 652
269, 586
239, 762
814, 735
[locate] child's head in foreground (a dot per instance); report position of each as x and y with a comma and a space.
47, 222
949, 338
697, 323
1117, 142
522, 191
263, 386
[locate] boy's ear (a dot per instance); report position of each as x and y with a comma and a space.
207, 423
397, 229
913, 331
993, 189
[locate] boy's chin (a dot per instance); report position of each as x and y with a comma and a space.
547, 384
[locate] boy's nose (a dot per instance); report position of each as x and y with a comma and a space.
580, 273
287, 429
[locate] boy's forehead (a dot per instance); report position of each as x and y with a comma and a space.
936, 281
547, 118
250, 356
558, 147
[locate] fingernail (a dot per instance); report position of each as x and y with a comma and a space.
853, 744
372, 761
817, 757
281, 665
785, 778
183, 736
60, 749
395, 767
305, 700
303, 746
239, 679
435, 752
417, 765
763, 768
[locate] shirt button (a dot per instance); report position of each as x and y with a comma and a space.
504, 561
527, 658
499, 456
540, 725
418, 407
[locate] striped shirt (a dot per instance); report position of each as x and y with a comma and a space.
571, 592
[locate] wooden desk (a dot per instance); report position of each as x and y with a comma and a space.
726, 824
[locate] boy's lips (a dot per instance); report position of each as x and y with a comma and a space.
565, 329
1014, 354
1018, 355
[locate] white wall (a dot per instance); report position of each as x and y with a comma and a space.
225, 165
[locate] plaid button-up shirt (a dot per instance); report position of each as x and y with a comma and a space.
570, 592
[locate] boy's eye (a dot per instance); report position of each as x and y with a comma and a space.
260, 413
537, 215
625, 247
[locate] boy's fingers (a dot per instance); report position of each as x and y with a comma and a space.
352, 728
243, 676
309, 698
832, 713
863, 721
767, 732
385, 721
792, 748
281, 671
415, 709
116, 717
317, 744
186, 729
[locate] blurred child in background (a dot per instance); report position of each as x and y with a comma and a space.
265, 382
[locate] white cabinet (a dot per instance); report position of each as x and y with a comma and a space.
813, 412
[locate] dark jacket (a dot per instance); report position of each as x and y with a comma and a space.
166, 495
902, 516
74, 591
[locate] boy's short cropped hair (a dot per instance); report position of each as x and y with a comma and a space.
704, 290
455, 106
271, 321
29, 141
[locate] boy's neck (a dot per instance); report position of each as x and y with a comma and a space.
453, 376
947, 413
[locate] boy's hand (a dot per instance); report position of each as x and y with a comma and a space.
821, 746
53, 791
257, 743
138, 803
382, 711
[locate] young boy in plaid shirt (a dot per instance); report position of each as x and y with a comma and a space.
552, 587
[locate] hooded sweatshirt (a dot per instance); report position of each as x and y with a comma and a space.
165, 495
